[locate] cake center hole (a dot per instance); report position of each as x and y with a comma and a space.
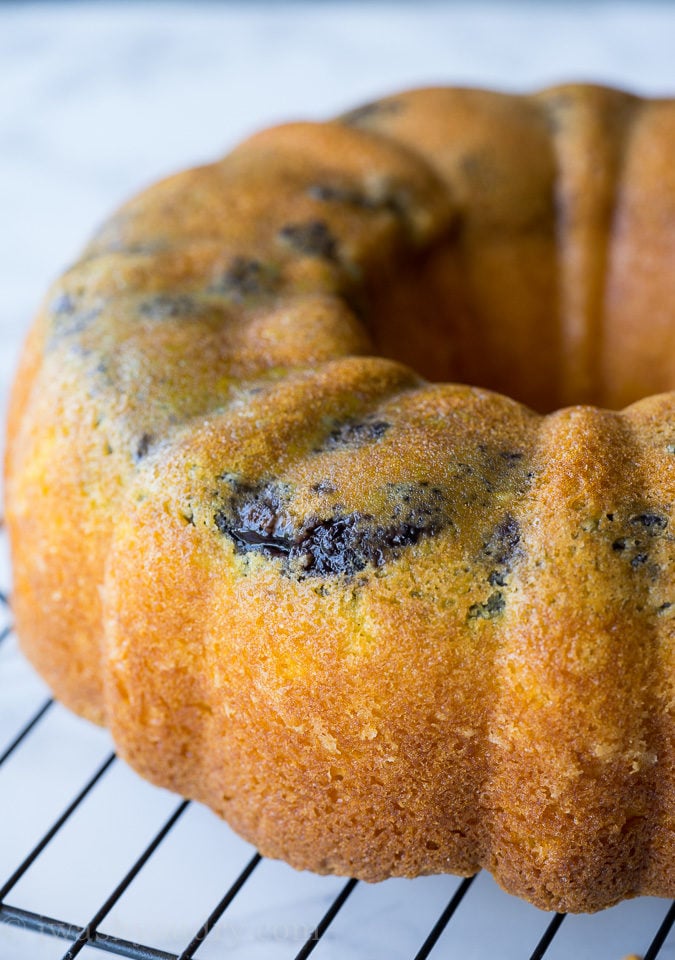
505, 329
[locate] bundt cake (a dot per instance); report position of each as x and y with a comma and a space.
383, 623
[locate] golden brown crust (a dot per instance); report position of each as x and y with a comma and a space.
383, 626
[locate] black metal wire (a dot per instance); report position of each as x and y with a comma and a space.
220, 909
661, 935
39, 923
547, 937
87, 932
444, 918
54, 829
5, 632
25, 730
326, 920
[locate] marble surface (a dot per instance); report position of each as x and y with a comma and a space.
97, 100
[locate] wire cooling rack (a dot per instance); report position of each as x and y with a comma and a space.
93, 858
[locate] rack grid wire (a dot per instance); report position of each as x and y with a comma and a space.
654, 942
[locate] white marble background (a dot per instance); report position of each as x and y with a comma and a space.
97, 100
